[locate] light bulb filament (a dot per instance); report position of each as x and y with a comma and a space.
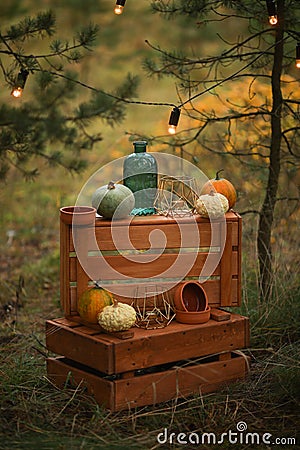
119, 6
119, 9
273, 20
172, 129
17, 92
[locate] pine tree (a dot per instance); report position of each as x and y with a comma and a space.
263, 56
52, 123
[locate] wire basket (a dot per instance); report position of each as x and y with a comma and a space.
176, 196
154, 308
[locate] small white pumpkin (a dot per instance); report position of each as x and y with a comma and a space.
117, 317
212, 205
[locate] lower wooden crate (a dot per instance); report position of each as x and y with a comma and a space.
149, 387
147, 348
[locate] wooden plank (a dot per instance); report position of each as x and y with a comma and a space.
175, 343
147, 266
234, 293
82, 281
59, 371
219, 315
224, 356
239, 279
176, 383
149, 389
235, 233
89, 350
156, 236
94, 328
226, 269
73, 269
67, 322
157, 219
89, 232
73, 299
80, 242
64, 267
126, 292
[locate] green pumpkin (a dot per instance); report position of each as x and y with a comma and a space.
113, 201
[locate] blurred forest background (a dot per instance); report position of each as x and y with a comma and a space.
33, 413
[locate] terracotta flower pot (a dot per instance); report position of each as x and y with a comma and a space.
77, 215
190, 296
193, 317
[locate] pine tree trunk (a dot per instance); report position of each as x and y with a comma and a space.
268, 207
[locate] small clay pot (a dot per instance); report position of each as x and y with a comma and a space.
190, 296
193, 317
78, 215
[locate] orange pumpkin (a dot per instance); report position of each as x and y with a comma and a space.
222, 186
91, 303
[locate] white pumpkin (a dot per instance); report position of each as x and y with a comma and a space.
117, 317
212, 205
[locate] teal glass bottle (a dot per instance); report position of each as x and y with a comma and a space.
140, 176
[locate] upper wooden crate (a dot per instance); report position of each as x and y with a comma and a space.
153, 250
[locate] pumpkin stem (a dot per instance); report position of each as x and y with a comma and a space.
217, 174
212, 192
115, 305
97, 284
111, 185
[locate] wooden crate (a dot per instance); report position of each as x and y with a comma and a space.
147, 348
162, 384
152, 366
109, 249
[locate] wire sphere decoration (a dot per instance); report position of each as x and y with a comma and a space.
154, 308
176, 196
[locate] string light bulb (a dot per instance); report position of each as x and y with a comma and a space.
174, 119
272, 12
119, 6
298, 55
19, 85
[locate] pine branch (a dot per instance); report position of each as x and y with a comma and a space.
42, 24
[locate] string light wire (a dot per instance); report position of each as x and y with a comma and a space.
174, 106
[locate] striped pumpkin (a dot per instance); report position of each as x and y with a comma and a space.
92, 301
